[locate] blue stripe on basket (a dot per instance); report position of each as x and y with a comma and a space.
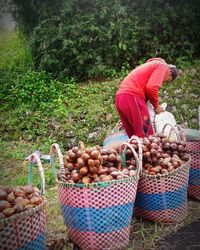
115, 137
102, 220
162, 201
194, 177
39, 243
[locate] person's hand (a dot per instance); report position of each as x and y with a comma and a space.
159, 109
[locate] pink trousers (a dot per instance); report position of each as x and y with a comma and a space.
134, 115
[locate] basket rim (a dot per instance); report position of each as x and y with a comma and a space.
192, 139
22, 215
160, 176
97, 184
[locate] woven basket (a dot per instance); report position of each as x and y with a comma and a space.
98, 215
163, 198
193, 148
26, 230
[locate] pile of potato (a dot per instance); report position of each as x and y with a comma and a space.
161, 155
18, 199
94, 164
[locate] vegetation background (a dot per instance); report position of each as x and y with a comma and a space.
62, 64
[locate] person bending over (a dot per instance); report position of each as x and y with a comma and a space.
139, 86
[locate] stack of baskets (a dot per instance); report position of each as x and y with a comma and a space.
193, 148
25, 230
97, 215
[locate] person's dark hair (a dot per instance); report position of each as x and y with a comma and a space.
174, 71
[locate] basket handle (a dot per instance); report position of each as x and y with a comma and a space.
172, 129
138, 157
35, 157
56, 148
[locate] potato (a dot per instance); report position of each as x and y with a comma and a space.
85, 157
2, 216
30, 206
28, 189
3, 194
94, 154
21, 201
112, 157
91, 163
80, 163
107, 178
11, 197
86, 180
84, 171
114, 174
35, 201
18, 208
9, 211
4, 204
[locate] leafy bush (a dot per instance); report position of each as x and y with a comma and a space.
35, 89
99, 38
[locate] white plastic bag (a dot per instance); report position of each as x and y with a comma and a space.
159, 120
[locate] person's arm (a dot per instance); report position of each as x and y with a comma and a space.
159, 109
155, 81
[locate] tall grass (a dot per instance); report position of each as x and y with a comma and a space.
14, 51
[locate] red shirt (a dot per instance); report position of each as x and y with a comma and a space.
145, 80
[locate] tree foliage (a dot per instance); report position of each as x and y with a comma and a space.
94, 38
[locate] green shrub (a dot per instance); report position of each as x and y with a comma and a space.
99, 38
34, 89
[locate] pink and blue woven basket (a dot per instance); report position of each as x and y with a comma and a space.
98, 215
26, 230
193, 148
163, 198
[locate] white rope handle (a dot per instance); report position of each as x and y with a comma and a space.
56, 148
138, 156
33, 157
172, 129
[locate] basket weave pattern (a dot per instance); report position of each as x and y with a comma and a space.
24, 231
193, 148
98, 217
163, 199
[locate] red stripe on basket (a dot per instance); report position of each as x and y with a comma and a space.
162, 185
115, 240
98, 197
16, 233
195, 161
194, 192
85, 194
164, 216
